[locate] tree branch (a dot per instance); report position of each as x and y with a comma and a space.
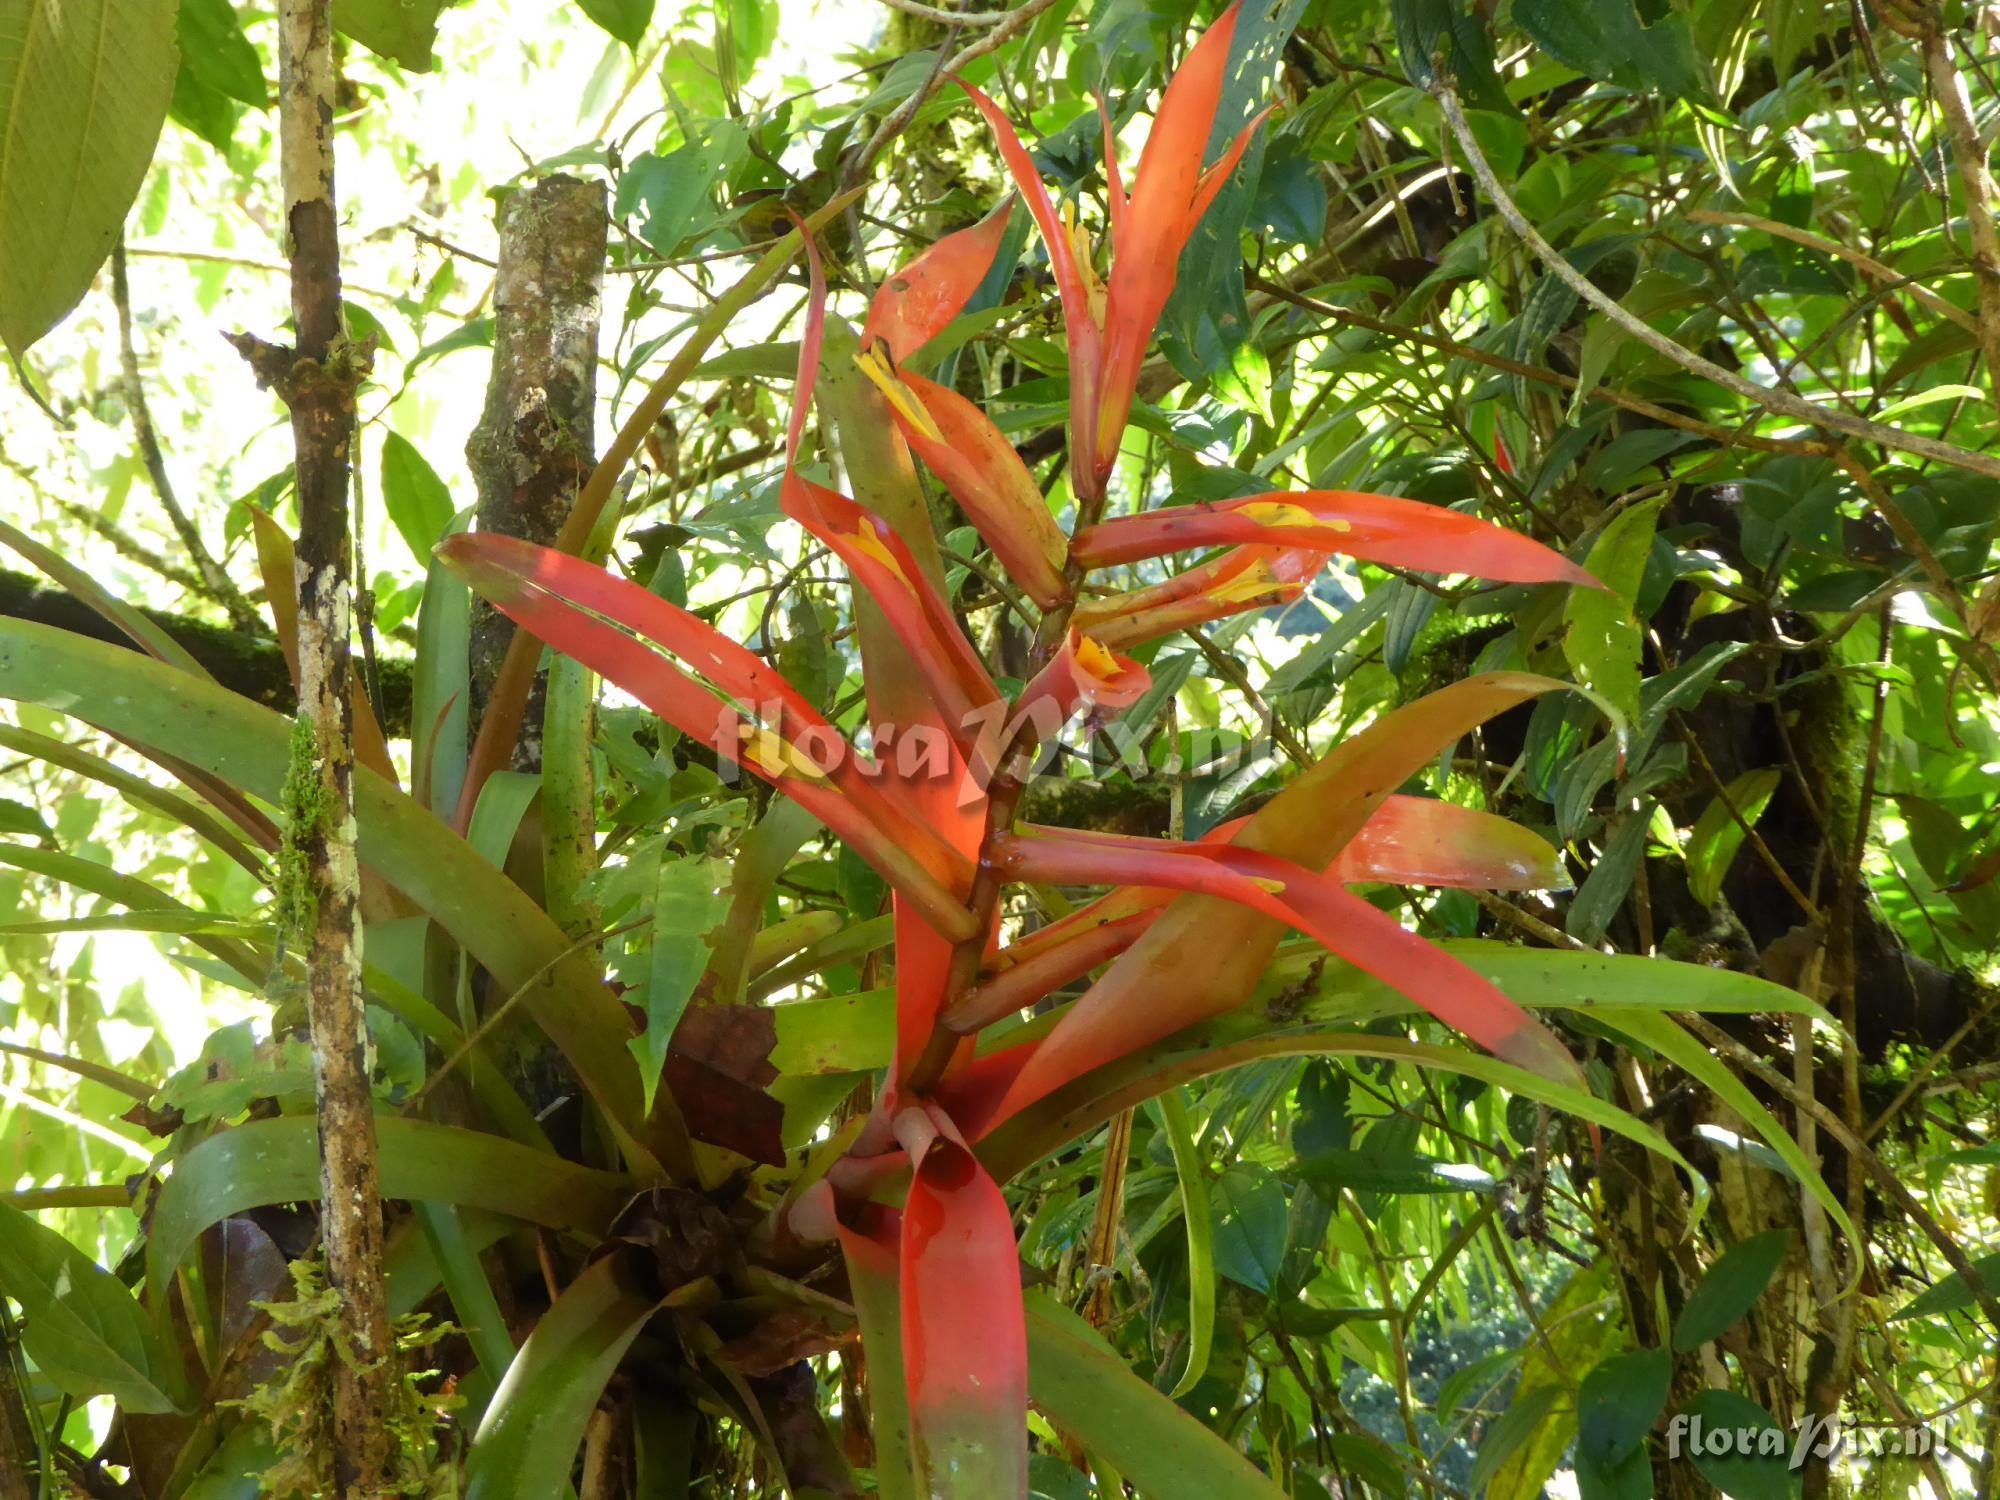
318, 381
1783, 403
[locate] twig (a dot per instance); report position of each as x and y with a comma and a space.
214, 581
1847, 253
1661, 414
1969, 153
1003, 32
1783, 403
949, 17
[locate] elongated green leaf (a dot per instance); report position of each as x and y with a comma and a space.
1762, 1474
418, 503
401, 30
82, 1328
1601, 637
249, 747
686, 907
168, 803
878, 1307
1200, 1239
1667, 1037
440, 688
84, 89
277, 1161
528, 1441
1086, 1388
1729, 1288
1231, 1041
1954, 1292
1717, 836
1366, 1171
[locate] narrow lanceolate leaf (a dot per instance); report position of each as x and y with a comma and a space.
277, 1161
914, 305
84, 90
686, 907
566, 601
527, 1443
1200, 1239
1374, 528
1086, 1389
962, 446
871, 1255
965, 1355
1345, 924
1244, 578
79, 1325
281, 591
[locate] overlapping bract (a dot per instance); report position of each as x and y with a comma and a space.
1185, 928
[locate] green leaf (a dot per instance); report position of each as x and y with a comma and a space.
80, 1326
277, 1161
1666, 1036
84, 89
440, 688
1619, 1401
1606, 39
216, 53
627, 20
527, 1443
1764, 1474
687, 905
248, 746
1200, 1239
1601, 637
1087, 1389
675, 190
1730, 1288
1712, 846
1366, 1171
418, 503
1430, 30
1250, 1239
1610, 879
1524, 1417
1954, 1292
401, 30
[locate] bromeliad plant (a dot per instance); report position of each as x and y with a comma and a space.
1186, 928
681, 1220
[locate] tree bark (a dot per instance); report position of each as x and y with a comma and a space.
536, 439
317, 381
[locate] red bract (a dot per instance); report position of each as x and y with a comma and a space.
567, 603
1374, 528
917, 303
1369, 939
965, 1341
1244, 578
1110, 326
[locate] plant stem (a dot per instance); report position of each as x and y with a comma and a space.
318, 381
